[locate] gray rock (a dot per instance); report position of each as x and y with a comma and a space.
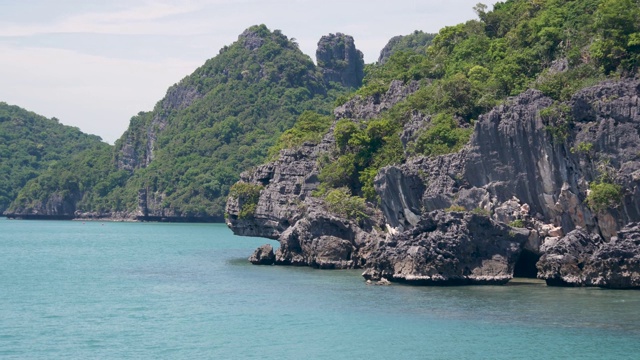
263, 256
513, 154
449, 249
359, 108
340, 61
564, 258
582, 259
308, 233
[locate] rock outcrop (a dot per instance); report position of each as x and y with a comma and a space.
583, 259
340, 61
514, 153
418, 42
136, 147
449, 249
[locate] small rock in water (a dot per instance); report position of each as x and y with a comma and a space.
263, 256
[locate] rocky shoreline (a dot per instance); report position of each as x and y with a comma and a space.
516, 197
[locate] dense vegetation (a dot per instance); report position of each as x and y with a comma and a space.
30, 144
239, 102
82, 180
556, 46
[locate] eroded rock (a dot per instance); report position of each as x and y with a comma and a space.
583, 259
263, 256
449, 249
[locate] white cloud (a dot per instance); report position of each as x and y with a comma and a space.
99, 95
138, 19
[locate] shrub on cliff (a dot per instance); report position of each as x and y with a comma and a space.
442, 136
247, 195
604, 195
310, 127
341, 202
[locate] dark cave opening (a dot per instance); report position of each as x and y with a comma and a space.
526, 265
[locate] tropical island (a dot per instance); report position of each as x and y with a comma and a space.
507, 145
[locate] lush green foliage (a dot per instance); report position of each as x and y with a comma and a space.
604, 195
417, 42
84, 179
518, 223
442, 136
558, 121
455, 208
247, 196
309, 128
30, 144
584, 148
250, 96
254, 91
341, 202
362, 149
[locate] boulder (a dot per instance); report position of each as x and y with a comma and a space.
263, 256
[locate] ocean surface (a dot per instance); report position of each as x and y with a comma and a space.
74, 290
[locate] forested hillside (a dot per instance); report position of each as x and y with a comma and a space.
30, 144
179, 160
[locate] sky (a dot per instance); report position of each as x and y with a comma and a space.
95, 64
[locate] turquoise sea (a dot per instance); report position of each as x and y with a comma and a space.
74, 290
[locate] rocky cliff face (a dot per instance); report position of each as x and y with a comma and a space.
517, 153
340, 61
530, 161
138, 142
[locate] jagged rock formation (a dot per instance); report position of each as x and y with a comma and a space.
513, 153
530, 160
583, 259
287, 211
340, 61
449, 249
368, 108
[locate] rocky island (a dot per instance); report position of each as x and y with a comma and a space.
547, 184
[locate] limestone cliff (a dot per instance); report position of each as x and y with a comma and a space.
530, 161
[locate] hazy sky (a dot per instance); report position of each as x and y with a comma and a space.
94, 64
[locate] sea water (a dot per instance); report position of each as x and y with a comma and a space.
75, 290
